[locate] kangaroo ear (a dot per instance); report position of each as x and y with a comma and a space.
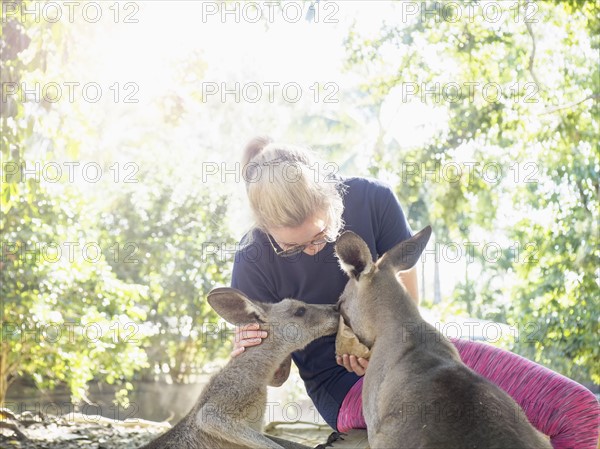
405, 254
235, 307
353, 254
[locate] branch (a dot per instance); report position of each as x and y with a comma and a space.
15, 428
582, 195
12, 368
570, 105
532, 55
6, 413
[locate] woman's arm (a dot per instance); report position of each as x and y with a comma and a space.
393, 228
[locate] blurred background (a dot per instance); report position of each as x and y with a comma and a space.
122, 200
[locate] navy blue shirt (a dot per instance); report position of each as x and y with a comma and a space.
372, 211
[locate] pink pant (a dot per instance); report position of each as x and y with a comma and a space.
557, 406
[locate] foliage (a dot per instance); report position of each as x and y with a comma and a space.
539, 205
68, 316
176, 242
511, 167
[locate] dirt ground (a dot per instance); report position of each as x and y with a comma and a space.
95, 432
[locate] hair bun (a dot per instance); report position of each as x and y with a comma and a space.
254, 147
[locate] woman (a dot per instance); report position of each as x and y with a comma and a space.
299, 210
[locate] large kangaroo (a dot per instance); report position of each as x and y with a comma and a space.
417, 393
229, 411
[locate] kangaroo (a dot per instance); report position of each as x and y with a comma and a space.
229, 411
417, 393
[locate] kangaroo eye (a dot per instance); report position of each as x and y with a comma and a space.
300, 311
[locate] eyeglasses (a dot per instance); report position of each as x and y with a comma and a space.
319, 239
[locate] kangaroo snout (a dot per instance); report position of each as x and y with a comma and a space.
323, 321
332, 319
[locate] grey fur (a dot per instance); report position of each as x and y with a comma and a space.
229, 411
417, 393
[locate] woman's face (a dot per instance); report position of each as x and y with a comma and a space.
311, 230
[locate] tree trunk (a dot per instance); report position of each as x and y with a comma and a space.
437, 291
423, 281
3, 371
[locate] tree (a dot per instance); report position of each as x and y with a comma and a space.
174, 240
519, 94
63, 311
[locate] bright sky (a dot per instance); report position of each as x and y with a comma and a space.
288, 50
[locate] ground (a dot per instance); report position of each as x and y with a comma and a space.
95, 432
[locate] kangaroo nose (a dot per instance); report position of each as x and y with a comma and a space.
337, 306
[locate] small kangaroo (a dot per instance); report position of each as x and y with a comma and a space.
417, 393
229, 411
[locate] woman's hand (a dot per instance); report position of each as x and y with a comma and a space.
354, 364
247, 335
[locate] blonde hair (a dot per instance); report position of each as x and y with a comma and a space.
287, 185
